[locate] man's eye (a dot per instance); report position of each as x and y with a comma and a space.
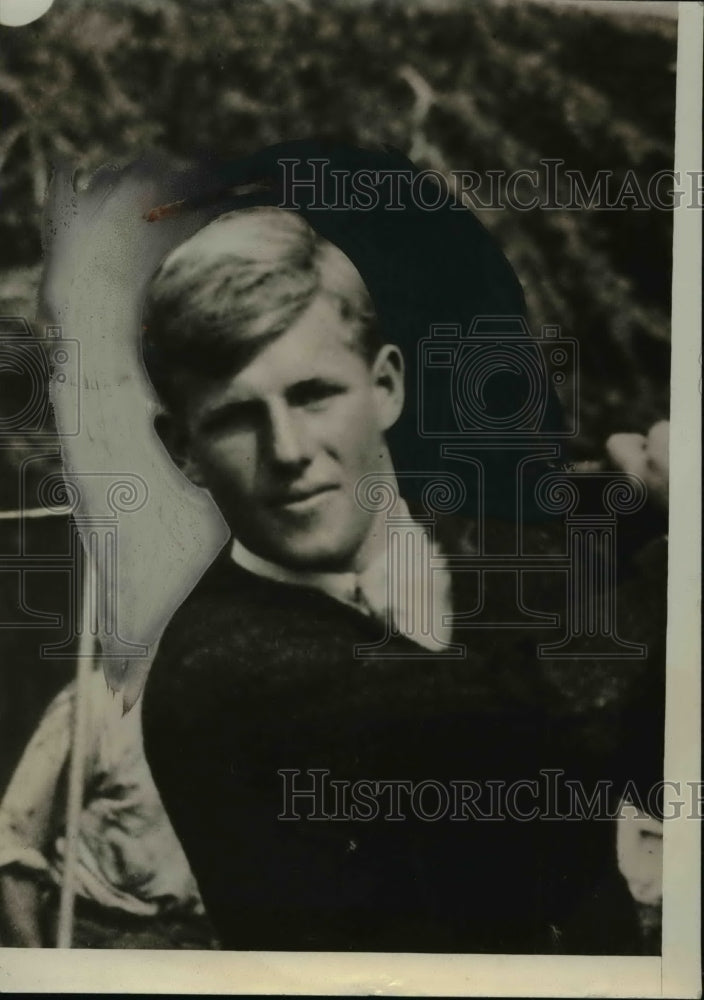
315, 396
317, 402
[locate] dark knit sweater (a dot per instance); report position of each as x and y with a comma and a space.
254, 677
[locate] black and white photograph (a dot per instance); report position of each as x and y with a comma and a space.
349, 496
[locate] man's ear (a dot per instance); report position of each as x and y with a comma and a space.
176, 439
388, 374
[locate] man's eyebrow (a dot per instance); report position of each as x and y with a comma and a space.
250, 409
316, 382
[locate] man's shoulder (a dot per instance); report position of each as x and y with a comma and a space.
202, 635
219, 604
234, 618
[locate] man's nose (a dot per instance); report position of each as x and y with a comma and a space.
289, 442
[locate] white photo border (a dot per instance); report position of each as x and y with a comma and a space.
677, 973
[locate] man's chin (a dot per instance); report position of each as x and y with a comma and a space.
319, 547
313, 556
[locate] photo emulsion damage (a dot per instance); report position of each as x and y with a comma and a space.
334, 495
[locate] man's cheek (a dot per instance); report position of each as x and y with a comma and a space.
228, 487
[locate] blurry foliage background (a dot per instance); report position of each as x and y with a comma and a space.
469, 84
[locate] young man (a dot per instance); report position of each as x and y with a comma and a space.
328, 798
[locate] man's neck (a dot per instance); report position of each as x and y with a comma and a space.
417, 604
372, 550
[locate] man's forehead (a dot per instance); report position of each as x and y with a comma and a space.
320, 338
320, 343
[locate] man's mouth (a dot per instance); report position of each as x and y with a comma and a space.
301, 499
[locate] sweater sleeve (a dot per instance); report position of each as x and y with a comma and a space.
181, 724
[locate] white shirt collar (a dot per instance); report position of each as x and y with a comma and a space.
339, 585
367, 591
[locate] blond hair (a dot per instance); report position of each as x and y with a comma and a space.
238, 283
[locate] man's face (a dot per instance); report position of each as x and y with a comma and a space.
282, 444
